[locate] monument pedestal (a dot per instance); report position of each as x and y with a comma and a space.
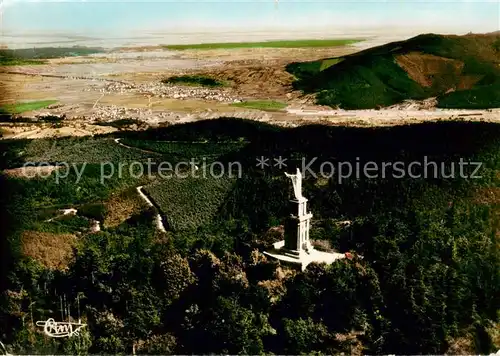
303, 260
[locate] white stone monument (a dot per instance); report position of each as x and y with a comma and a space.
297, 226
297, 248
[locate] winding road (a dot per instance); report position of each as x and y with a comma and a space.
159, 220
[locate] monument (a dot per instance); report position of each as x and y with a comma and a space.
296, 248
297, 226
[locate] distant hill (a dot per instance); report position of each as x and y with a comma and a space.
461, 71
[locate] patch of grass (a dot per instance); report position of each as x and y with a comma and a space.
19, 108
4, 61
267, 105
194, 80
327, 63
267, 44
64, 224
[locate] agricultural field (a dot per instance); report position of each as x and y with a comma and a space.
266, 105
19, 108
268, 44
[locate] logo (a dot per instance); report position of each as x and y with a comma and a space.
60, 329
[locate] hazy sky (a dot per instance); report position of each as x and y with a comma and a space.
120, 17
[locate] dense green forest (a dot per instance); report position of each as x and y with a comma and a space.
424, 277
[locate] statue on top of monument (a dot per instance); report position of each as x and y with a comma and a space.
297, 184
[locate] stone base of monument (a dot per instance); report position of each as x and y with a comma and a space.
301, 259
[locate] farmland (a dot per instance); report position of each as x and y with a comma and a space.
266, 105
267, 44
19, 108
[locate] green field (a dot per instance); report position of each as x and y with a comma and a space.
19, 108
327, 63
268, 44
267, 105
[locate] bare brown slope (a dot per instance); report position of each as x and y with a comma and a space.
427, 69
53, 251
439, 73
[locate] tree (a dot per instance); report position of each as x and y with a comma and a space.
226, 328
172, 277
303, 336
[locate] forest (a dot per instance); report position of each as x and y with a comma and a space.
422, 277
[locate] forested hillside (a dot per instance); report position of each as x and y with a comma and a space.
461, 71
424, 276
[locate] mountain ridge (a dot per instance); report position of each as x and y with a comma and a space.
461, 71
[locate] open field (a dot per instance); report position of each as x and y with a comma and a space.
19, 108
266, 105
267, 44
